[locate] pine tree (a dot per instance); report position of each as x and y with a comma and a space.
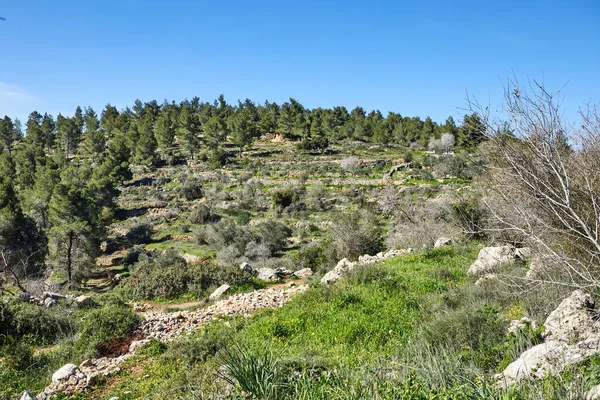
187, 131
164, 132
145, 149
94, 142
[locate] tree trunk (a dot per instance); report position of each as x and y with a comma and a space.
69, 251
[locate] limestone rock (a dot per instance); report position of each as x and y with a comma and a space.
27, 396
593, 393
219, 292
572, 319
524, 253
136, 344
49, 302
490, 259
485, 279
53, 296
303, 273
443, 241
65, 372
330, 277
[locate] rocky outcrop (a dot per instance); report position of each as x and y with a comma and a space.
490, 259
303, 273
344, 265
593, 393
572, 335
272, 274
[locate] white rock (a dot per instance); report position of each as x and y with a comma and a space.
136, 344
86, 301
303, 273
65, 372
330, 277
490, 259
27, 396
219, 292
246, 267
524, 253
572, 319
267, 274
443, 241
593, 393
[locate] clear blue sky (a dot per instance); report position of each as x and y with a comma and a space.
416, 58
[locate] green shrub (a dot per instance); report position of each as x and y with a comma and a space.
203, 215
191, 189
284, 198
200, 346
139, 234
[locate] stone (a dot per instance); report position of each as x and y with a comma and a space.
485, 279
136, 344
86, 363
303, 273
49, 302
343, 266
246, 267
219, 292
572, 320
54, 296
115, 398
267, 274
443, 241
26, 297
524, 253
330, 277
490, 259
86, 301
27, 396
593, 393
65, 372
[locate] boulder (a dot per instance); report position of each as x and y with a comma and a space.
246, 267
443, 241
219, 292
65, 372
86, 301
485, 279
490, 259
343, 266
593, 393
49, 302
330, 277
303, 273
272, 274
27, 396
572, 320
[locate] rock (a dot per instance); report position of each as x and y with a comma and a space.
49, 302
86, 301
303, 273
343, 266
53, 296
246, 267
490, 259
267, 274
86, 363
27, 396
443, 241
524, 253
330, 277
136, 344
520, 325
291, 284
26, 297
593, 393
485, 279
115, 398
65, 372
219, 292
572, 319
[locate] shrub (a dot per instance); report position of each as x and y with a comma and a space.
312, 145
273, 233
285, 197
139, 234
355, 234
350, 163
191, 189
200, 346
106, 323
310, 256
203, 215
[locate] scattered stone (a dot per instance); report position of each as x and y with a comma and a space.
65, 372
53, 296
219, 292
27, 396
137, 344
303, 273
272, 275
49, 302
485, 279
490, 259
344, 265
443, 241
115, 398
291, 284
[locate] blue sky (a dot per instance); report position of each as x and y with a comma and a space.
413, 57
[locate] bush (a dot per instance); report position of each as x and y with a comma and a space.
168, 276
273, 233
139, 234
200, 346
350, 163
285, 197
191, 189
310, 256
203, 215
106, 323
312, 145
355, 234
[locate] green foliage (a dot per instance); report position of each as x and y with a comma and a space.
191, 189
356, 234
313, 145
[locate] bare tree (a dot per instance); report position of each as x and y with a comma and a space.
447, 142
13, 272
546, 174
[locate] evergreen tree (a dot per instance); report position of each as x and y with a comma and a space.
471, 133
8, 135
145, 149
242, 127
187, 131
164, 133
94, 142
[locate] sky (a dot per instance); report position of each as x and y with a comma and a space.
418, 58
